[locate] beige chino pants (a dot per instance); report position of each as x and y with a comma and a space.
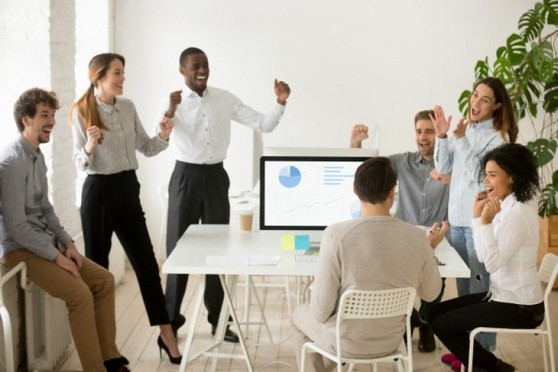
89, 300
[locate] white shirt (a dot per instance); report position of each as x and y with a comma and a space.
202, 131
508, 247
461, 157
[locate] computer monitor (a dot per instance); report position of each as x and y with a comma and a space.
307, 192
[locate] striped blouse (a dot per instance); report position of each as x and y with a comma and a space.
126, 134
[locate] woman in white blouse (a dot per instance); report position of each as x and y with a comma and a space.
107, 132
506, 235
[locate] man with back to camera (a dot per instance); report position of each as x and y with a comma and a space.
423, 194
372, 252
198, 188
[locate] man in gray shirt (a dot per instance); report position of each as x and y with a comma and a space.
30, 232
423, 193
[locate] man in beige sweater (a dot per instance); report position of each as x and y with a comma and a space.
373, 252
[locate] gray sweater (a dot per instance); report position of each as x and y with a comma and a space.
372, 253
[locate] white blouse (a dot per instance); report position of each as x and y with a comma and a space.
508, 247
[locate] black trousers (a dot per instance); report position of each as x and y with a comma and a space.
196, 193
110, 203
453, 320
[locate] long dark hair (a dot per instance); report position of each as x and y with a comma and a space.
504, 118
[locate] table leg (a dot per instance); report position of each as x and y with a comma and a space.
228, 289
193, 324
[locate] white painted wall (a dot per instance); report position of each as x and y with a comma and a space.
351, 61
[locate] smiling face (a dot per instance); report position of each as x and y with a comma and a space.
497, 182
482, 103
196, 72
37, 129
112, 83
425, 135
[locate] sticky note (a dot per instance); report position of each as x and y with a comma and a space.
302, 242
287, 242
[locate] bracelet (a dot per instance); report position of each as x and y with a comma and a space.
168, 117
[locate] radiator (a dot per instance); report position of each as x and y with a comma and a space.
47, 329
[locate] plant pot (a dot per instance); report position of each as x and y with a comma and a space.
548, 238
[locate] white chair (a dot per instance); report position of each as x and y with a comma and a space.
5, 315
548, 272
357, 304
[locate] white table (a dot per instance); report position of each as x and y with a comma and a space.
201, 241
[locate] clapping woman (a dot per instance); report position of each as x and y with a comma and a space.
107, 132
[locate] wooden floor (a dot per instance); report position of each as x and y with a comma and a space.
137, 340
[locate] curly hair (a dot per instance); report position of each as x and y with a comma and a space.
26, 104
520, 164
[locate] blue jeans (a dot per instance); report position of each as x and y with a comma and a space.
461, 238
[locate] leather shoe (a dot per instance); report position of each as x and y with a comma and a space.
177, 323
230, 336
426, 342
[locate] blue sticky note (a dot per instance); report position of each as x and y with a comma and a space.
302, 242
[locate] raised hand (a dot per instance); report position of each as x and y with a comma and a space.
282, 91
175, 98
441, 123
358, 134
461, 127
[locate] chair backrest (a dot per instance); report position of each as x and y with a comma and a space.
359, 304
548, 271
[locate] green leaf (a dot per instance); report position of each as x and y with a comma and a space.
550, 11
555, 179
516, 49
531, 24
541, 60
543, 149
503, 69
481, 69
547, 201
464, 102
551, 94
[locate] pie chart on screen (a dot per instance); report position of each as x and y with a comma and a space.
290, 176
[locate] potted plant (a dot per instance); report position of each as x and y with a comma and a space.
528, 66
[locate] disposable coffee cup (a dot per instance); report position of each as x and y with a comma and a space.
246, 217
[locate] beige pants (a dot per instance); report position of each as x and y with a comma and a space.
306, 328
89, 300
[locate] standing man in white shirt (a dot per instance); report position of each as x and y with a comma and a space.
199, 185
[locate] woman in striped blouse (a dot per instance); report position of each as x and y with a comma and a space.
107, 132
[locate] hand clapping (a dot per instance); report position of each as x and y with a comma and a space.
485, 207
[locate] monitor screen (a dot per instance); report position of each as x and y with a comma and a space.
307, 192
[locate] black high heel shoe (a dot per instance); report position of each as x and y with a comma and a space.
163, 346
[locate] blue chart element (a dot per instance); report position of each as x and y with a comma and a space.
355, 209
290, 176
